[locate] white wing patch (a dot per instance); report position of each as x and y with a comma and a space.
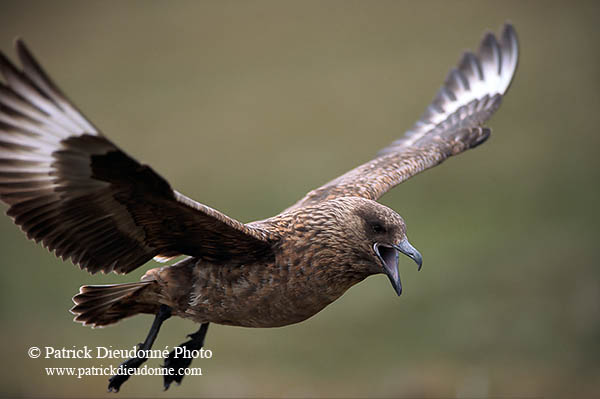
477, 77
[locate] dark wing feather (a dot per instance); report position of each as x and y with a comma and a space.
78, 194
450, 125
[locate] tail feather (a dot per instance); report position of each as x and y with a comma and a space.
101, 305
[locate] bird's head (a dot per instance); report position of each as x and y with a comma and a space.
368, 235
384, 233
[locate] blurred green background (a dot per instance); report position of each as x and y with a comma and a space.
245, 106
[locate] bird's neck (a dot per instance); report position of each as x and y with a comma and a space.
320, 270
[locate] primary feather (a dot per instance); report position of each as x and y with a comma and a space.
451, 124
77, 193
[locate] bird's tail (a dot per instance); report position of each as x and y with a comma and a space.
101, 305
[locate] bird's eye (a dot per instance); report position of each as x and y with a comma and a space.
378, 228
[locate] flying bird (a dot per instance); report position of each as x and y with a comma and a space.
70, 188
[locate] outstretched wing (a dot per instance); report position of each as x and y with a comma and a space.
450, 125
78, 194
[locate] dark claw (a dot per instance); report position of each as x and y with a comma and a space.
115, 382
181, 363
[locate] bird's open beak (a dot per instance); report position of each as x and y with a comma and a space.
389, 256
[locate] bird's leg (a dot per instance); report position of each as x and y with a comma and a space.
115, 382
180, 363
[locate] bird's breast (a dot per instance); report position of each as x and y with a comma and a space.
270, 295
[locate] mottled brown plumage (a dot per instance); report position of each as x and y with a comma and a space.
73, 190
320, 252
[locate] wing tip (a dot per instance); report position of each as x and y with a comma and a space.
22, 50
19, 42
509, 41
5, 62
508, 30
486, 73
